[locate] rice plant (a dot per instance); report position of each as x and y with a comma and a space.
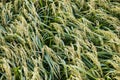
59, 40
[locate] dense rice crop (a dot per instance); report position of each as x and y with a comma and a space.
59, 39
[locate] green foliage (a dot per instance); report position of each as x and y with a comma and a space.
59, 40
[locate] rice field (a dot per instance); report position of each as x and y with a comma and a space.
59, 39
